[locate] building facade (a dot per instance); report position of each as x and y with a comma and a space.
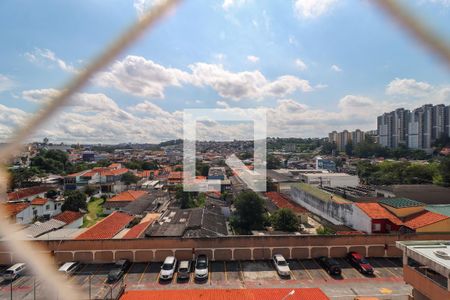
416, 129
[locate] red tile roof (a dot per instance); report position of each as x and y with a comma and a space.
283, 202
114, 166
424, 219
128, 196
39, 201
376, 211
137, 231
226, 294
68, 216
27, 192
178, 175
107, 228
13, 209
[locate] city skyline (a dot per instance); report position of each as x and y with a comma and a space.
246, 58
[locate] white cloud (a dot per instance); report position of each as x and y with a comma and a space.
414, 93
300, 64
144, 78
441, 2
39, 95
309, 9
336, 68
227, 4
49, 58
5, 83
252, 58
409, 87
245, 85
140, 77
141, 6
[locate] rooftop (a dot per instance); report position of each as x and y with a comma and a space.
226, 294
39, 201
376, 211
400, 202
68, 216
137, 231
27, 192
128, 196
14, 208
321, 194
282, 201
426, 193
107, 228
435, 254
443, 209
425, 218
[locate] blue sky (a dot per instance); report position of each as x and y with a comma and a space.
315, 65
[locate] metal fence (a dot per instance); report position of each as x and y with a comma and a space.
40, 263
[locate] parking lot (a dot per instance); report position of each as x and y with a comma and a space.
232, 274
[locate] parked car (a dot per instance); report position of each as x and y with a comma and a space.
201, 267
119, 269
184, 269
69, 268
14, 271
330, 265
360, 263
168, 268
281, 265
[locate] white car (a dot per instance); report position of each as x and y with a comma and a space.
281, 265
168, 268
69, 268
201, 267
14, 271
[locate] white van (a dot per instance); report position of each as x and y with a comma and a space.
69, 268
14, 271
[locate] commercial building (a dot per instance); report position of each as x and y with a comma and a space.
330, 179
426, 267
417, 129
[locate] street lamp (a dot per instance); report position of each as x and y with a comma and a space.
289, 294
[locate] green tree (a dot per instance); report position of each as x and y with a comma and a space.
284, 219
90, 190
51, 194
129, 178
328, 147
20, 177
74, 201
349, 148
444, 171
250, 213
273, 162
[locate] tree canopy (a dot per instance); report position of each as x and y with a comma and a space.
284, 219
74, 201
250, 213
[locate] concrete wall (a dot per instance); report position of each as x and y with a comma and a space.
338, 214
361, 221
223, 248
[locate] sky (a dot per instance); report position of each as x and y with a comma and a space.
314, 66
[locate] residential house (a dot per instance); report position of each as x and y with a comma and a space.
28, 194
118, 202
19, 212
45, 207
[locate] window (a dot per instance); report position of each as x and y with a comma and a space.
376, 227
47, 207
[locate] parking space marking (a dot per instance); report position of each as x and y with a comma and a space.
225, 271
304, 268
348, 269
321, 271
381, 267
241, 273
143, 273
79, 272
292, 275
128, 272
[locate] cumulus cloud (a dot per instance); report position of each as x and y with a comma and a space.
140, 77
252, 58
336, 68
144, 78
300, 64
49, 58
5, 83
309, 9
415, 93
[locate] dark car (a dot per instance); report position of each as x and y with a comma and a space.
360, 263
330, 265
119, 269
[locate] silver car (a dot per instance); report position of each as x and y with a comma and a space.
184, 269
